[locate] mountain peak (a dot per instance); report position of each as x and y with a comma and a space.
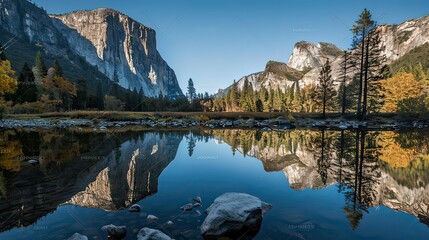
307, 55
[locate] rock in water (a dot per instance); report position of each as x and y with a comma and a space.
151, 218
33, 161
187, 207
197, 199
118, 232
234, 215
78, 236
151, 234
135, 208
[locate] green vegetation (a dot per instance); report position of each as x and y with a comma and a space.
329, 49
283, 71
419, 55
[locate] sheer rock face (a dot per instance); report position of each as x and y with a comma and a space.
400, 39
104, 38
113, 41
24, 20
307, 55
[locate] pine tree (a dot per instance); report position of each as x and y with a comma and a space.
141, 100
58, 69
39, 68
2, 54
325, 91
289, 96
368, 61
259, 105
99, 98
82, 94
344, 72
243, 102
27, 89
418, 72
191, 90
277, 104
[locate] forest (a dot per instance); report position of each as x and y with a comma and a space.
366, 85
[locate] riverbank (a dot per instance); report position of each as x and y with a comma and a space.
101, 121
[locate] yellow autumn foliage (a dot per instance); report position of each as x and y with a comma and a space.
8, 83
399, 87
10, 153
391, 151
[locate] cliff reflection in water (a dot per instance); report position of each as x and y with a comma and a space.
369, 168
108, 171
111, 171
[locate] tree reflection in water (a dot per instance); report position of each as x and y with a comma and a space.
370, 168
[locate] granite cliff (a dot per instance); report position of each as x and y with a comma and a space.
94, 44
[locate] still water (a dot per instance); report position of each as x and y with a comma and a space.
322, 184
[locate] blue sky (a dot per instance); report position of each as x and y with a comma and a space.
216, 41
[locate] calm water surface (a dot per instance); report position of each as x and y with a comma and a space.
322, 184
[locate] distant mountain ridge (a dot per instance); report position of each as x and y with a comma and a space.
307, 58
103, 39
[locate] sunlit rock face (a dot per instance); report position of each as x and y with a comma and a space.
131, 173
113, 41
307, 55
400, 39
106, 39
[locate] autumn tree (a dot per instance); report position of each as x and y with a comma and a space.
399, 87
324, 93
8, 83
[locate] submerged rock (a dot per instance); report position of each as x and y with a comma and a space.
151, 234
151, 218
197, 199
118, 232
234, 215
78, 236
135, 208
187, 207
33, 161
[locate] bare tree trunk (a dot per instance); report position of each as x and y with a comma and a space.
343, 109
359, 103
365, 89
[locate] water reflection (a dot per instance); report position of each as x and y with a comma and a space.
111, 171
107, 171
369, 168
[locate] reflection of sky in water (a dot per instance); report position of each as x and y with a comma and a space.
211, 171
